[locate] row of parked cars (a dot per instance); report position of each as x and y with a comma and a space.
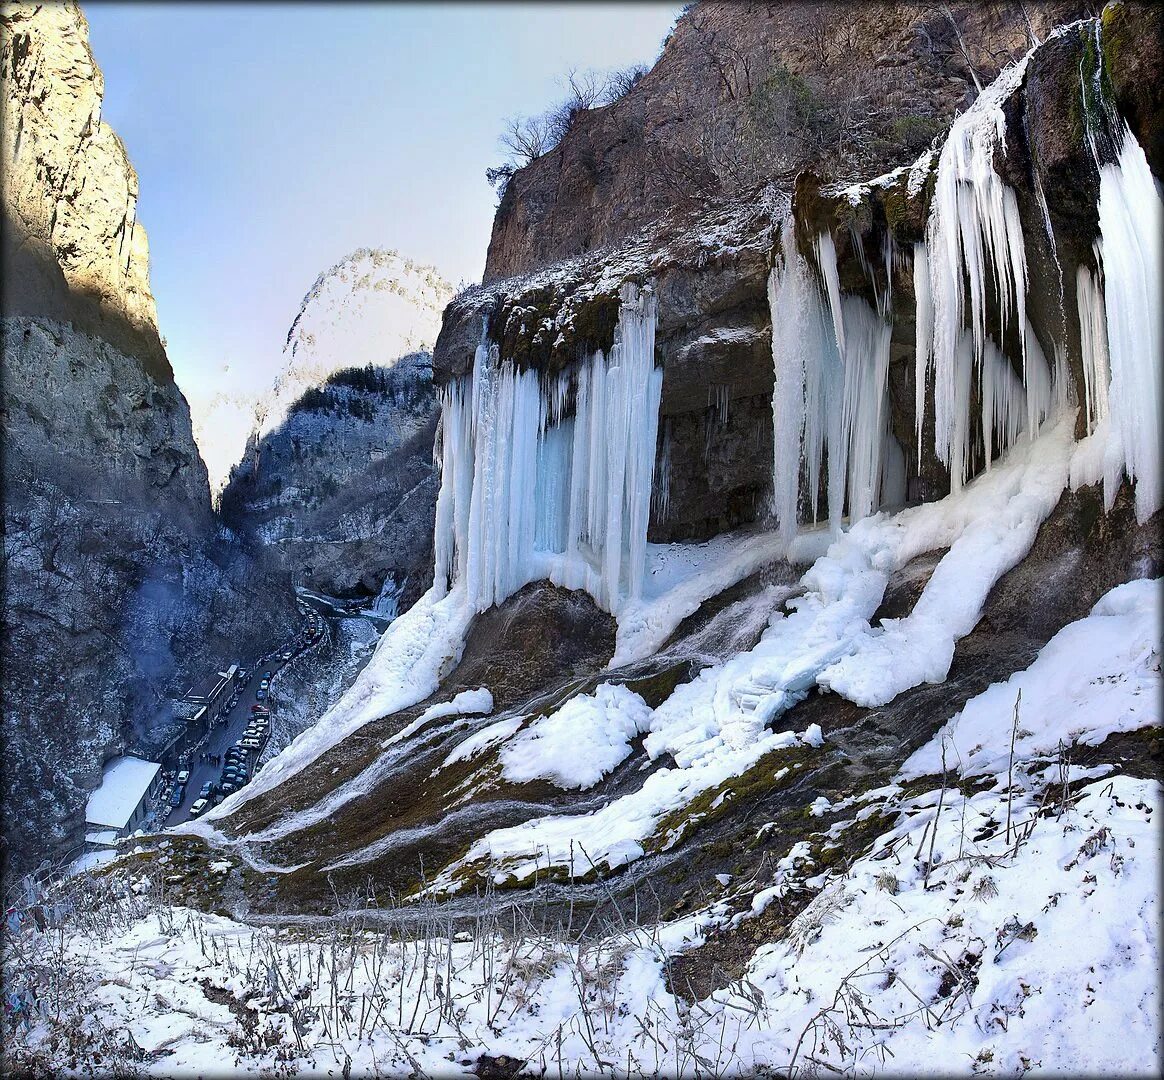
238, 763
240, 759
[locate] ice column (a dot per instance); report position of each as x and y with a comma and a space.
795, 343
1131, 220
527, 492
831, 391
1093, 341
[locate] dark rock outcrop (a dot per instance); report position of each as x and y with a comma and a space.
118, 591
343, 492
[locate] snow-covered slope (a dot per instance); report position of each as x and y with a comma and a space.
867, 786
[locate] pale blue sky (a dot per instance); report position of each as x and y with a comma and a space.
271, 140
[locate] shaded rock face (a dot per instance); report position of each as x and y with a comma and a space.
118, 591
343, 492
744, 94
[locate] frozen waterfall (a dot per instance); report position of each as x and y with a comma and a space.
529, 492
1131, 221
977, 357
830, 405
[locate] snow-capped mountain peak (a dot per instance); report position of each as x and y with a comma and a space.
372, 307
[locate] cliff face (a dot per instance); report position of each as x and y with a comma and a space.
342, 491
74, 250
747, 94
710, 273
117, 590
803, 314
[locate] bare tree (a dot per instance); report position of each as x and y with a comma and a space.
526, 138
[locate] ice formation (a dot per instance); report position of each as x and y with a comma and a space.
830, 400
977, 356
1131, 220
528, 492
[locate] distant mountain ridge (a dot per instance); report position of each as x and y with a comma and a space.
374, 306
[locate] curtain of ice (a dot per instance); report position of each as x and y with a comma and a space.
830, 356
527, 492
974, 257
1131, 220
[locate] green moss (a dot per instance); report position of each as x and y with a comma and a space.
594, 324
1114, 35
915, 131
766, 775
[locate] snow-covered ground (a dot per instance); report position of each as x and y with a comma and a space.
1005, 920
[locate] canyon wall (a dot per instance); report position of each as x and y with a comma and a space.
119, 590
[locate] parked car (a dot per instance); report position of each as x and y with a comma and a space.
200, 807
207, 790
178, 796
183, 776
254, 744
228, 787
260, 695
256, 708
286, 656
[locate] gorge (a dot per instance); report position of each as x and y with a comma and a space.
769, 551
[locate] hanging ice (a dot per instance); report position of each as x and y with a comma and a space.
527, 492
974, 260
1093, 342
831, 392
1131, 220
795, 337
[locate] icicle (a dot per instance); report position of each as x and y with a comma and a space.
866, 404
826, 260
718, 397
831, 389
924, 334
791, 300
528, 492
974, 233
1093, 342
661, 492
1131, 222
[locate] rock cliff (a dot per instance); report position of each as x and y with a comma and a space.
338, 482
748, 94
342, 491
710, 269
118, 590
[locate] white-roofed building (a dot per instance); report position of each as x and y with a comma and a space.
122, 801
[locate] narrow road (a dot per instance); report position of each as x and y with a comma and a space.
227, 732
